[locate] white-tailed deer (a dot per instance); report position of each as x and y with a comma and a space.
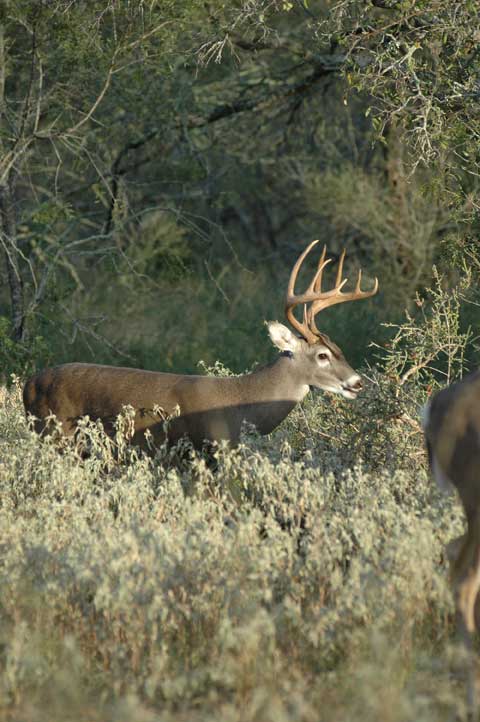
452, 432
207, 408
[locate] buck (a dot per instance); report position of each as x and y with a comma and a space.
452, 432
204, 408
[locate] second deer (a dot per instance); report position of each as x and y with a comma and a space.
452, 432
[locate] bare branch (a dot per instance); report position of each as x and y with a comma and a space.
39, 96
28, 99
7, 238
73, 129
2, 71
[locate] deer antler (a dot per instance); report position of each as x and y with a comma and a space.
316, 297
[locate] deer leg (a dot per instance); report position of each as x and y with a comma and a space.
454, 547
466, 574
452, 552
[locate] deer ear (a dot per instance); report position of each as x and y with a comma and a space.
282, 337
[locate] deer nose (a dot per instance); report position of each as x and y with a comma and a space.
354, 383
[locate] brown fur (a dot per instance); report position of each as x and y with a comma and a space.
452, 432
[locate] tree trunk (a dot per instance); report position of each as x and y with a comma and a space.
8, 234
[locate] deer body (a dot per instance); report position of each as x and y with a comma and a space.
452, 428
205, 408
209, 408
452, 434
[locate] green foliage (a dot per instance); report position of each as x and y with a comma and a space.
430, 349
419, 64
20, 359
277, 123
157, 248
395, 218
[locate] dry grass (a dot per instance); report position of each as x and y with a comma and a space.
279, 588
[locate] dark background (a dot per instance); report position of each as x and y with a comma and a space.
162, 166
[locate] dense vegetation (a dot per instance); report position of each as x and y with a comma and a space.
162, 164
284, 586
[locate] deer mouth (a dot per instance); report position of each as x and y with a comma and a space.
351, 391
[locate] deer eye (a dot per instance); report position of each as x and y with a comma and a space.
322, 357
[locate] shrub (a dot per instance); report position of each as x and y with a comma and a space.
265, 590
19, 358
303, 579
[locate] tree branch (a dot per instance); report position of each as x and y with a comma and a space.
8, 236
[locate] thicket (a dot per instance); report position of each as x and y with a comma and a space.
163, 164
281, 586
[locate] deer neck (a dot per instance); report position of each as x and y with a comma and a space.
279, 381
273, 391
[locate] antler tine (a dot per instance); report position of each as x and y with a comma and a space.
316, 284
364, 294
357, 293
293, 275
338, 282
292, 300
359, 281
305, 315
340, 269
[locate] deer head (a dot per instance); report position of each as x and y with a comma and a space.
318, 359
